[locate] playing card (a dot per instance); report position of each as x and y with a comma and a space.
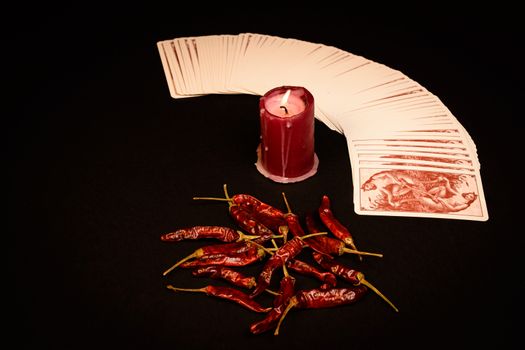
411, 150
420, 162
167, 69
185, 64
419, 147
420, 193
421, 156
172, 69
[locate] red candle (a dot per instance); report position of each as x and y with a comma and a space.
286, 152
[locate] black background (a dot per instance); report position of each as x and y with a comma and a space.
101, 162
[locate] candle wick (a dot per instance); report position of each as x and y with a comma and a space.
285, 109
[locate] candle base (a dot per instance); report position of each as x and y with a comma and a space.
283, 179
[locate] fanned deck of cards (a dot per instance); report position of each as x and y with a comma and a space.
409, 155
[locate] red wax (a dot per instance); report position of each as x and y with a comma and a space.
286, 153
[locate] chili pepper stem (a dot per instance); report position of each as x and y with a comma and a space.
212, 199
369, 285
262, 247
352, 251
291, 304
230, 201
245, 237
285, 271
227, 199
286, 203
201, 290
272, 292
313, 235
350, 242
193, 255
284, 229
225, 189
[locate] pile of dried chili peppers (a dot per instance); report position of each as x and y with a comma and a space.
269, 232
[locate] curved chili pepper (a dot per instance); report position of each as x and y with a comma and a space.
224, 273
227, 293
350, 275
245, 220
256, 205
294, 225
328, 263
224, 249
328, 245
336, 227
320, 299
232, 259
286, 291
287, 251
221, 233
264, 213
306, 269
332, 246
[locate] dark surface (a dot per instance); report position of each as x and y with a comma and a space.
101, 162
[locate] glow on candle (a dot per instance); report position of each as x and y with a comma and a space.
285, 100
285, 105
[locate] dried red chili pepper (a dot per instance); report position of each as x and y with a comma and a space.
226, 293
245, 220
334, 225
286, 291
292, 220
328, 263
257, 205
221, 233
320, 299
328, 245
264, 213
224, 273
334, 246
222, 249
230, 259
348, 274
309, 270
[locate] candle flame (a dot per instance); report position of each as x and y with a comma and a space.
285, 97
